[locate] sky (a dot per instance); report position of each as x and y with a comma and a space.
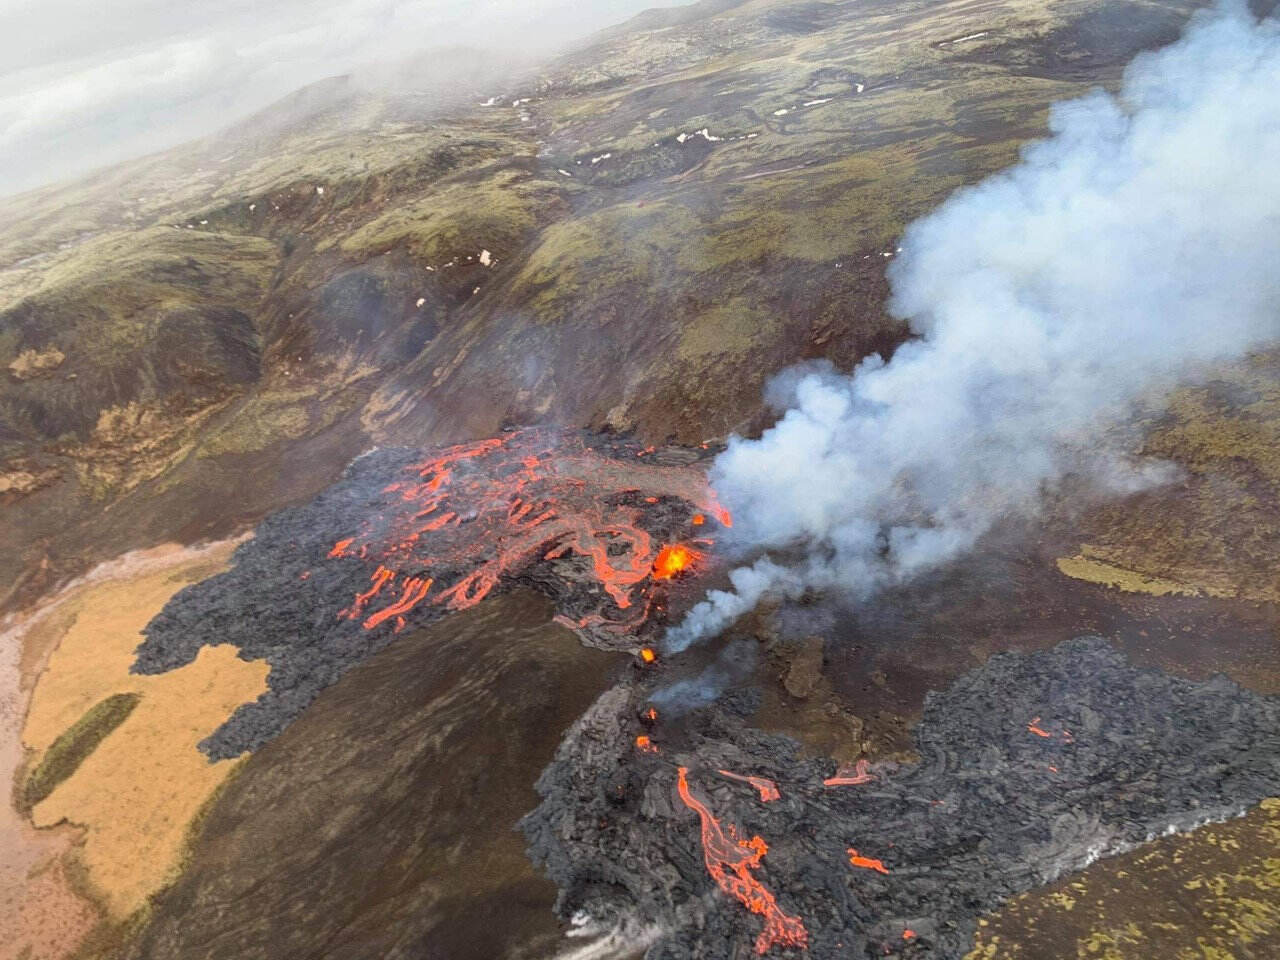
86, 84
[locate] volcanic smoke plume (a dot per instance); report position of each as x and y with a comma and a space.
1129, 250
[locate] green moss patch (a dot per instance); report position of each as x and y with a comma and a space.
71, 749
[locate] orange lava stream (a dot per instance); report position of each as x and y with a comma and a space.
493, 506
868, 863
730, 861
768, 789
860, 775
645, 745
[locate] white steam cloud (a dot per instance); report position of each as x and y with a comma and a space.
1138, 243
83, 84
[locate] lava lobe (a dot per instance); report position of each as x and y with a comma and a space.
593, 521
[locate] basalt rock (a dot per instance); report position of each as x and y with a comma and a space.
1031, 767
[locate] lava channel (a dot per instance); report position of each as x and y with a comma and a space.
730, 862
861, 774
768, 789
471, 514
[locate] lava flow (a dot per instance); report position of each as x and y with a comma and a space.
730, 861
1034, 727
768, 789
860, 774
461, 520
867, 863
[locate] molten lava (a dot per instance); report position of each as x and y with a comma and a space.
671, 560
648, 654
462, 519
867, 863
768, 789
1034, 727
645, 745
730, 861
860, 775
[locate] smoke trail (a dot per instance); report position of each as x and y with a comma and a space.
1135, 245
733, 665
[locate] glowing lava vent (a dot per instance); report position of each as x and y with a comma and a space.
461, 520
730, 861
672, 560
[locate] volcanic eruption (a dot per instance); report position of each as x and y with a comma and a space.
598, 523
1129, 251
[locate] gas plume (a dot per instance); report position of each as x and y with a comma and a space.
1129, 250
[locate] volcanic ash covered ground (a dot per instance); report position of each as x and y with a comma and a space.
1032, 766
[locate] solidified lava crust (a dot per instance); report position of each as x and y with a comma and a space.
992, 809
408, 535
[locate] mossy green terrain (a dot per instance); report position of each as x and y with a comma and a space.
1222, 881
65, 754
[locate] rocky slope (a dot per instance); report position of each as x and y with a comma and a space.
633, 235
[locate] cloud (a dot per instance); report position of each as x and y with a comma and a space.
1134, 246
84, 85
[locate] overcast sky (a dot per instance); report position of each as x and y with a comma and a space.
84, 83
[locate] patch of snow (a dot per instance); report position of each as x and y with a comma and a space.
252, 207
752, 136
516, 103
681, 138
781, 113
564, 172
603, 156
859, 88
971, 36
421, 300
320, 191
204, 223
815, 103
475, 291
490, 102
486, 258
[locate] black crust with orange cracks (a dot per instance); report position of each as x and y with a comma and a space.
1031, 766
594, 521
